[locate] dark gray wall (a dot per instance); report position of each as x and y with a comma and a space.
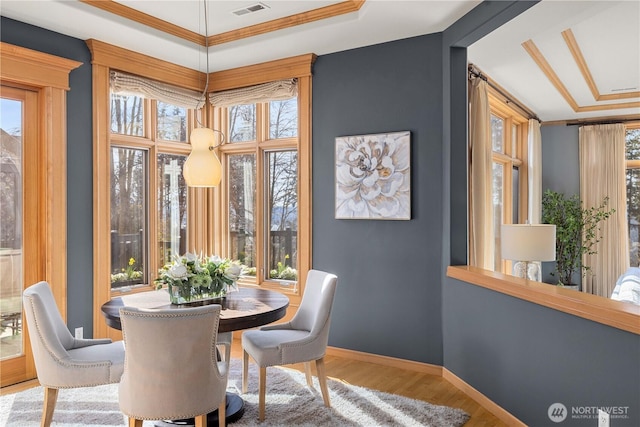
79, 163
388, 271
560, 159
560, 172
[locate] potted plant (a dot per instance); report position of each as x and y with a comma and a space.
577, 232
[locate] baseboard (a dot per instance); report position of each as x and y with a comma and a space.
483, 400
427, 368
395, 362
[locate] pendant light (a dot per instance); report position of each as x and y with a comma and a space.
203, 168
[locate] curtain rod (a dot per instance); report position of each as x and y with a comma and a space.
477, 73
600, 122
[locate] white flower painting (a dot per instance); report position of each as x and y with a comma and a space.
373, 176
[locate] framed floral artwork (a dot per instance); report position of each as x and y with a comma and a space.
373, 176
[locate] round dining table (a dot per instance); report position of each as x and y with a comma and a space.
242, 309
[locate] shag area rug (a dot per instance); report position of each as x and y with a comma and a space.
290, 402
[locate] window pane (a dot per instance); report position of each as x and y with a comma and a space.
242, 123
11, 224
282, 204
633, 144
172, 122
497, 134
242, 208
172, 208
498, 192
127, 115
633, 215
128, 216
283, 118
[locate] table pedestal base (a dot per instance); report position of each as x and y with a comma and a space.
234, 411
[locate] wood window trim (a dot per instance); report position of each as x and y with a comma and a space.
299, 67
49, 76
105, 57
617, 314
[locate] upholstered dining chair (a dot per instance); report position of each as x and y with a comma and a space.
61, 360
171, 370
303, 339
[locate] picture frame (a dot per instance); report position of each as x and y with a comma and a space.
373, 176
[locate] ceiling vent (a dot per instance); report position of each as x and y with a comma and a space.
250, 9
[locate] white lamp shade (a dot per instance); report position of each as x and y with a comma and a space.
528, 242
202, 168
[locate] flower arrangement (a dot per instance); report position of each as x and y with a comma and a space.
194, 278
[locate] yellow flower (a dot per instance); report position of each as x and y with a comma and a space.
132, 261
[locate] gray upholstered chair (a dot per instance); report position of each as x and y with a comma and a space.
171, 370
61, 360
303, 339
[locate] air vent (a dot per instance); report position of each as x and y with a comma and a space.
250, 9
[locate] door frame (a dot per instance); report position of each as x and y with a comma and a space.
48, 76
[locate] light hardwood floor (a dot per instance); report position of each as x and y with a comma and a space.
416, 385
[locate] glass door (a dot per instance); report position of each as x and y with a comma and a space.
17, 108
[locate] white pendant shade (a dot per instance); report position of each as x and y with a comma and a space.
528, 242
202, 168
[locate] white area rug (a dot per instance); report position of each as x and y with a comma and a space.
289, 403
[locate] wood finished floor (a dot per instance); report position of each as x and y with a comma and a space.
416, 385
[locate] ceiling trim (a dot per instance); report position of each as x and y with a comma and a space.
146, 19
337, 9
548, 71
573, 46
342, 8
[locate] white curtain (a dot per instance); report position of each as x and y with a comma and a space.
129, 84
603, 174
534, 172
481, 252
272, 91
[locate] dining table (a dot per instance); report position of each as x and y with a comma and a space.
244, 308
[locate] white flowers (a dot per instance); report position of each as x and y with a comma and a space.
178, 271
233, 272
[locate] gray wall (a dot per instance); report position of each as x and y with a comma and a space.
560, 172
79, 163
388, 271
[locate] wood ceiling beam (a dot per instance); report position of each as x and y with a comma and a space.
575, 50
548, 71
337, 9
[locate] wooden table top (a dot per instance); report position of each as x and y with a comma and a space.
247, 308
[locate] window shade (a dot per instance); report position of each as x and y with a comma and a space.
272, 91
128, 84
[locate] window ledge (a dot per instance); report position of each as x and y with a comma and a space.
617, 314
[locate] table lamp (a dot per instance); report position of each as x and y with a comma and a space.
527, 243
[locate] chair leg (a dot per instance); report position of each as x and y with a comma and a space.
135, 423
307, 373
201, 420
222, 413
245, 371
262, 386
50, 399
322, 379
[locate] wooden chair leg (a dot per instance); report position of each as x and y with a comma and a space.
307, 373
135, 423
222, 413
201, 420
262, 386
245, 371
322, 379
50, 399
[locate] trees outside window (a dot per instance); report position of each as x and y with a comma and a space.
633, 192
148, 193
262, 189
